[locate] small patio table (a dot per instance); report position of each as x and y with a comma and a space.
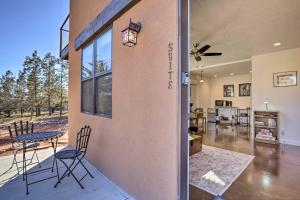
51, 136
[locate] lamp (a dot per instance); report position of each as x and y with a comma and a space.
201, 78
130, 34
267, 102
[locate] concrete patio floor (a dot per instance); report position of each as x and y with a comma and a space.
12, 186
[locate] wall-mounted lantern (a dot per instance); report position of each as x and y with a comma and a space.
130, 34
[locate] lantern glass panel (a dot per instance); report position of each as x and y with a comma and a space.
132, 36
125, 36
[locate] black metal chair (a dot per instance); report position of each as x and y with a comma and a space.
78, 154
23, 128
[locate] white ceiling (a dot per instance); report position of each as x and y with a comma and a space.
243, 28
225, 70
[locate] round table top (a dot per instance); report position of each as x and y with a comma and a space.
38, 136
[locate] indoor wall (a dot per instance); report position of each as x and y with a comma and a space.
204, 94
286, 100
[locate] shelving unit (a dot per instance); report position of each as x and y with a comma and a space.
266, 126
243, 116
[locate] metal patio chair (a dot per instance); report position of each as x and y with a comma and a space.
22, 128
78, 154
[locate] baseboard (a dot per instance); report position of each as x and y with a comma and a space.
290, 142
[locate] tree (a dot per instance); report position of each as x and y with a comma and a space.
20, 92
7, 83
33, 67
63, 84
50, 79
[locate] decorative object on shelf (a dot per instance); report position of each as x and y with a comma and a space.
245, 89
285, 79
272, 123
267, 102
228, 90
129, 35
266, 126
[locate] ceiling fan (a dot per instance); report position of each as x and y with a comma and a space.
199, 52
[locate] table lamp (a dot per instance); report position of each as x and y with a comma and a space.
267, 102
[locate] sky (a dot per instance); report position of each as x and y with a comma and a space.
28, 25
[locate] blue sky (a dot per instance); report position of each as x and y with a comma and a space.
28, 25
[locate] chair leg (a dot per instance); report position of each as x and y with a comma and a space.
37, 158
24, 163
86, 168
12, 165
57, 170
70, 172
30, 162
64, 174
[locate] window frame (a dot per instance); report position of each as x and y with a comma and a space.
95, 75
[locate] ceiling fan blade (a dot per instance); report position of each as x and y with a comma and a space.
211, 54
203, 49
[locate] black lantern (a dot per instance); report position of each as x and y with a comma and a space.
130, 34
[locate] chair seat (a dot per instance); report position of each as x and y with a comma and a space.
28, 146
67, 154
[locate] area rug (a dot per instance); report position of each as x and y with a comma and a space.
214, 170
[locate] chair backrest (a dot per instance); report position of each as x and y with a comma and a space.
19, 129
83, 137
199, 112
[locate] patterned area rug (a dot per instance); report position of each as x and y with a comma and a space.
214, 170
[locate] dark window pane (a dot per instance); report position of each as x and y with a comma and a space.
87, 96
104, 95
103, 58
87, 62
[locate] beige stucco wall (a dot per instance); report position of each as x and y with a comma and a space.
283, 99
137, 148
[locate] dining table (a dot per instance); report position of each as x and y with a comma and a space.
36, 137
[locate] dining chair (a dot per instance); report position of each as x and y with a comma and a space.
74, 155
15, 130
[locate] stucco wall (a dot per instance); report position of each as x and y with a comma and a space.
137, 148
283, 99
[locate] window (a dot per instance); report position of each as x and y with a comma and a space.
96, 76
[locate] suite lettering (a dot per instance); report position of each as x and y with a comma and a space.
170, 68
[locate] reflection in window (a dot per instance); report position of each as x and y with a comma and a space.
96, 85
87, 62
103, 57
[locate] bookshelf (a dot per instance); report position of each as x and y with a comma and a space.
266, 125
244, 116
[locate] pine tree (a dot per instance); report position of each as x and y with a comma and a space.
63, 84
33, 67
50, 79
20, 92
7, 92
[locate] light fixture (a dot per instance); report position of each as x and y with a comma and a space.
276, 44
231, 74
201, 77
267, 102
216, 76
130, 34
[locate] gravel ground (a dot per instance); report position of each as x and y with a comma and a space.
53, 123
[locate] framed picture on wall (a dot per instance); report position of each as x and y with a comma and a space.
245, 89
228, 90
285, 79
